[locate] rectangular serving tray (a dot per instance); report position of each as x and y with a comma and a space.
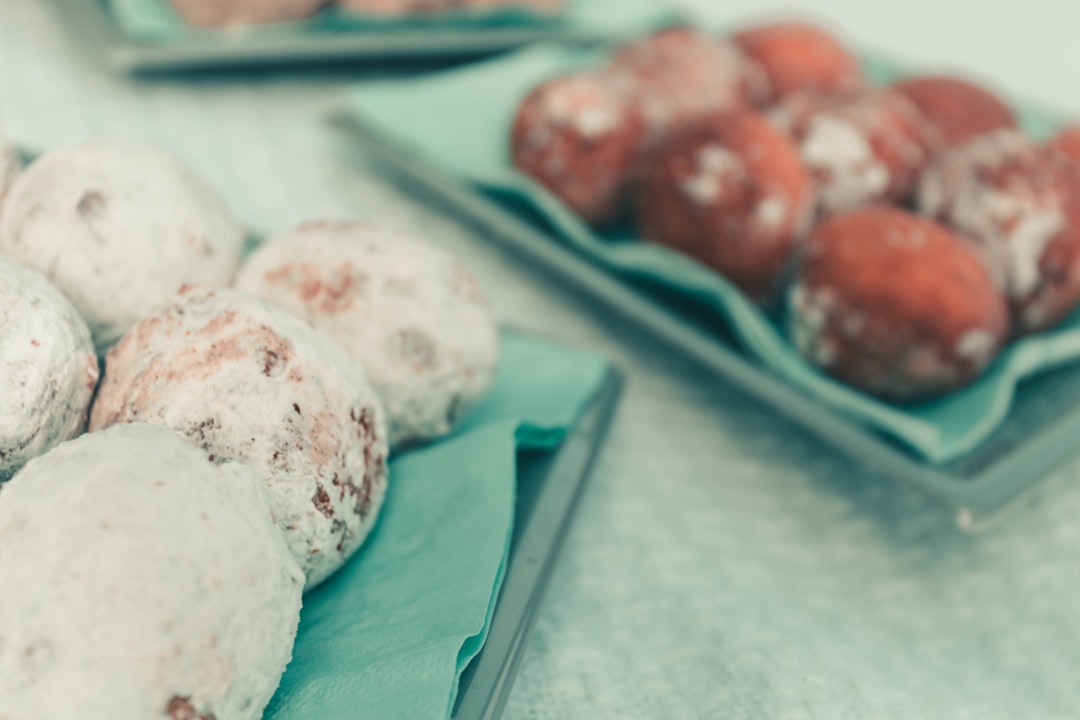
204, 52
549, 484
1041, 431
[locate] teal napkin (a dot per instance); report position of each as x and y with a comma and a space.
156, 21
468, 137
389, 635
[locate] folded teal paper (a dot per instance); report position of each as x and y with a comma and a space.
468, 137
157, 21
389, 635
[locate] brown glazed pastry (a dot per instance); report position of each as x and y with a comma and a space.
1067, 142
957, 109
580, 137
895, 304
797, 56
733, 193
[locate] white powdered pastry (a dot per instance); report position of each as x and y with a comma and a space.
48, 367
9, 165
1013, 226
119, 227
409, 313
713, 162
140, 581
245, 380
244, 12
841, 158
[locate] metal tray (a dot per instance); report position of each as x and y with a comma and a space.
1041, 431
549, 484
125, 54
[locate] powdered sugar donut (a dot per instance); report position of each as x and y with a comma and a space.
957, 109
733, 193
895, 304
48, 367
678, 75
1021, 205
140, 581
119, 227
9, 165
410, 314
247, 381
211, 13
798, 56
580, 138
862, 148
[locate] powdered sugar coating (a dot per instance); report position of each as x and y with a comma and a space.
894, 304
140, 581
48, 367
9, 165
579, 137
119, 227
1018, 204
678, 75
215, 13
247, 381
410, 314
862, 148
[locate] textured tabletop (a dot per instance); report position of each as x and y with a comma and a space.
723, 564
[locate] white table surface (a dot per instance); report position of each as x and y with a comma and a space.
723, 564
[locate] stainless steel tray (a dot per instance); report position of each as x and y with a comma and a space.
204, 52
549, 484
1042, 429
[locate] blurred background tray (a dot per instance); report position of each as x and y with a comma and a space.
233, 50
549, 484
1040, 433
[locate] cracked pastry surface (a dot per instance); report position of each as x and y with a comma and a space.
248, 381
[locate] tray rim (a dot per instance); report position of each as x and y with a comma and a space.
974, 500
487, 681
129, 55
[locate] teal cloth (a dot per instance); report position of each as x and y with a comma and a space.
389, 635
157, 21
468, 137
